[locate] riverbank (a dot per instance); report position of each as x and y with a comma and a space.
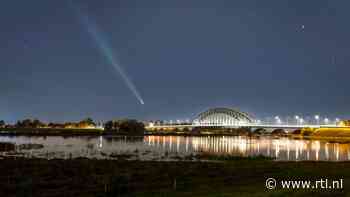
325, 134
101, 132
63, 132
339, 135
84, 177
331, 132
50, 131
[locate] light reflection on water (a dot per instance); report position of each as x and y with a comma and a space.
163, 147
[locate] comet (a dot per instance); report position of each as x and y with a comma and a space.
106, 50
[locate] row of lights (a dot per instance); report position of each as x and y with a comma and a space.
278, 120
300, 120
177, 121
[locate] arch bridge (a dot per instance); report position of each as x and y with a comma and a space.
223, 117
232, 118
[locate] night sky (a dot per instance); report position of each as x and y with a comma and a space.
264, 57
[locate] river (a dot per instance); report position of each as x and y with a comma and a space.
170, 147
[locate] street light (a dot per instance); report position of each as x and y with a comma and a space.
326, 120
151, 124
297, 119
301, 121
278, 120
317, 117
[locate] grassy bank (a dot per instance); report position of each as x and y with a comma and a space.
82, 177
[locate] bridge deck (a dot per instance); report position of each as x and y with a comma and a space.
248, 125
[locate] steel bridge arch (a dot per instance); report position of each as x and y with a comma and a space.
222, 116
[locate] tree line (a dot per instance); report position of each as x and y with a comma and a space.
120, 125
124, 125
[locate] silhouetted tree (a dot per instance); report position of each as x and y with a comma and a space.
108, 125
125, 125
18, 124
37, 124
2, 123
88, 122
132, 126
28, 123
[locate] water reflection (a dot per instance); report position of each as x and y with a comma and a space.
165, 147
280, 148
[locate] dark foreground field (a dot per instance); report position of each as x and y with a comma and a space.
83, 177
